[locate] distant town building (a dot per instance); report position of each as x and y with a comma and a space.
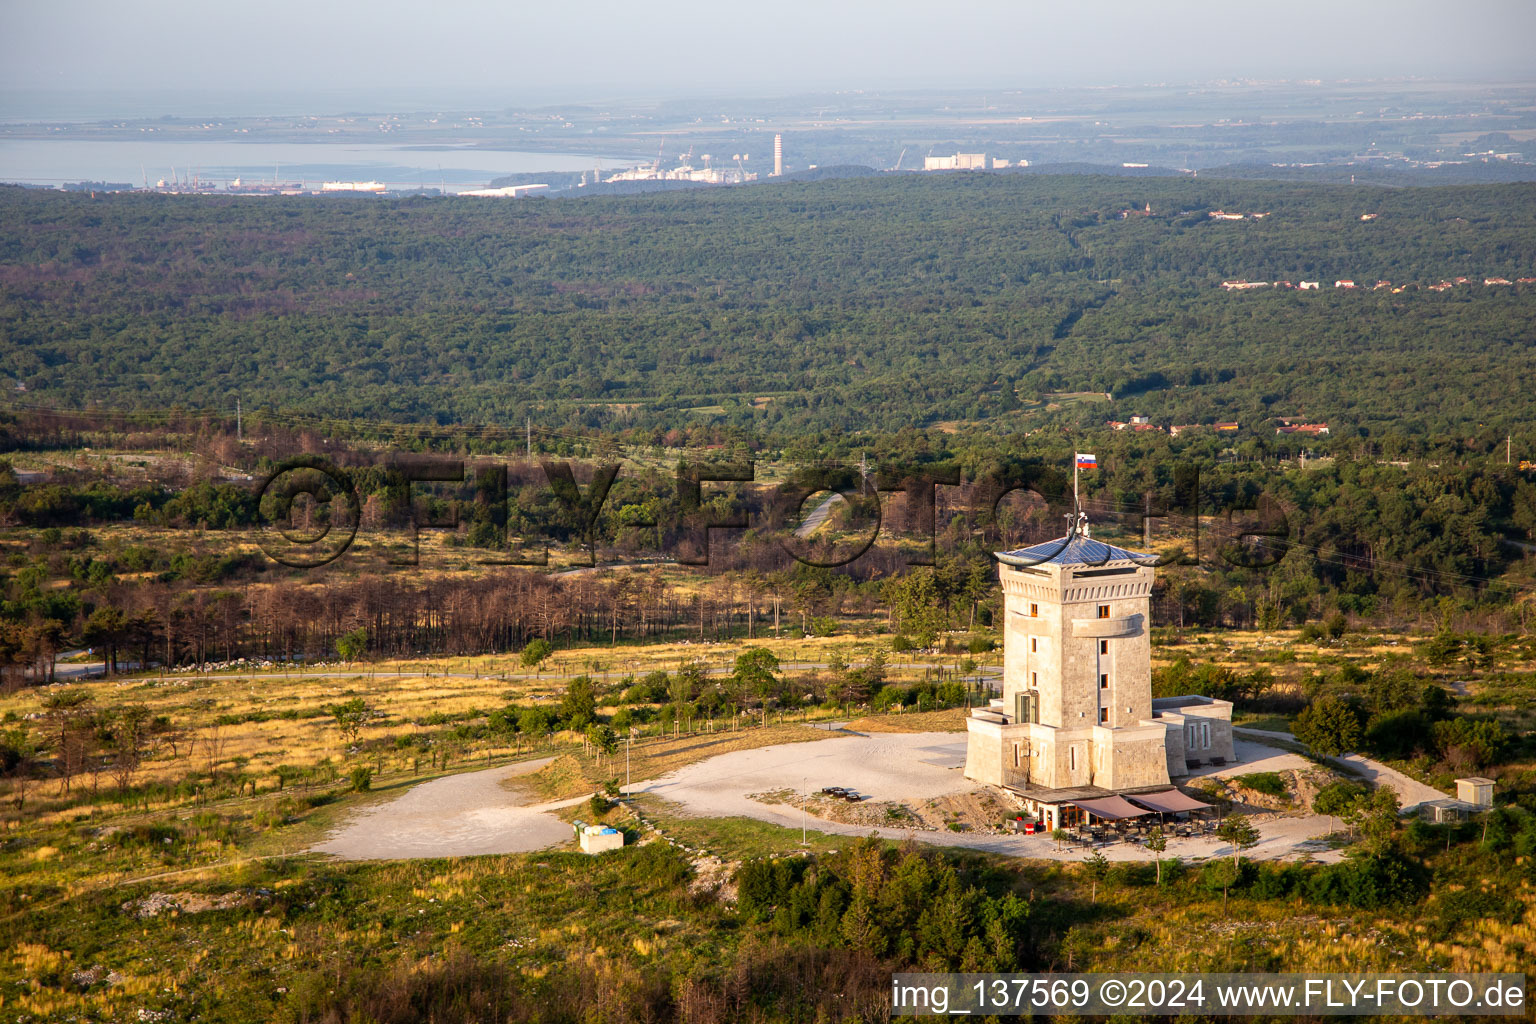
1343, 284
1309, 286
352, 186
778, 156
958, 162
1227, 428
505, 192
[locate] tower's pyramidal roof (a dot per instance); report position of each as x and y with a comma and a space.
1073, 549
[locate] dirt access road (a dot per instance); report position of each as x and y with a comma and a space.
474, 813
456, 816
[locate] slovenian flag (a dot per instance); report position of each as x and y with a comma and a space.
1087, 461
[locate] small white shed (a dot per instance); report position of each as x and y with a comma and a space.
1475, 790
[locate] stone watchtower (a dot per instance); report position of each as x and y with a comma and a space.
1077, 708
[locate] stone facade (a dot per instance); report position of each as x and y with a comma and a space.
1077, 712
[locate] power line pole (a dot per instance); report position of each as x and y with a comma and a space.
528, 425
239, 430
1508, 439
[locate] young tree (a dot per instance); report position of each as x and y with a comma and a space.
578, 708
1157, 842
350, 717
1097, 866
754, 672
1336, 800
69, 717
1223, 875
532, 722
1378, 822
1237, 830
685, 684
536, 651
603, 739
1060, 835
352, 646
126, 731
18, 761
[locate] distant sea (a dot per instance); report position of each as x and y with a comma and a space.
55, 162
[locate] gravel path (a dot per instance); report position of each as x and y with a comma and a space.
1410, 792
456, 816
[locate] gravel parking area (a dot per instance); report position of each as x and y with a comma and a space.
456, 816
896, 767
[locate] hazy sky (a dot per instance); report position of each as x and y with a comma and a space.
512, 52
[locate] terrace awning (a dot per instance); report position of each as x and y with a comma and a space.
1110, 808
1168, 802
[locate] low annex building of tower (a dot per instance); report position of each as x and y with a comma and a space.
1077, 720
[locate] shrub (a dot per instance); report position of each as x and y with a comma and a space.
1269, 783
362, 779
1275, 881
1398, 734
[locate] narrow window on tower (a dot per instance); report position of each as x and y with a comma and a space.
1103, 716
1034, 611
1071, 759
1103, 680
1103, 646
1033, 645
1103, 611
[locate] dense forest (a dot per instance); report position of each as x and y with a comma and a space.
829, 307
167, 568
